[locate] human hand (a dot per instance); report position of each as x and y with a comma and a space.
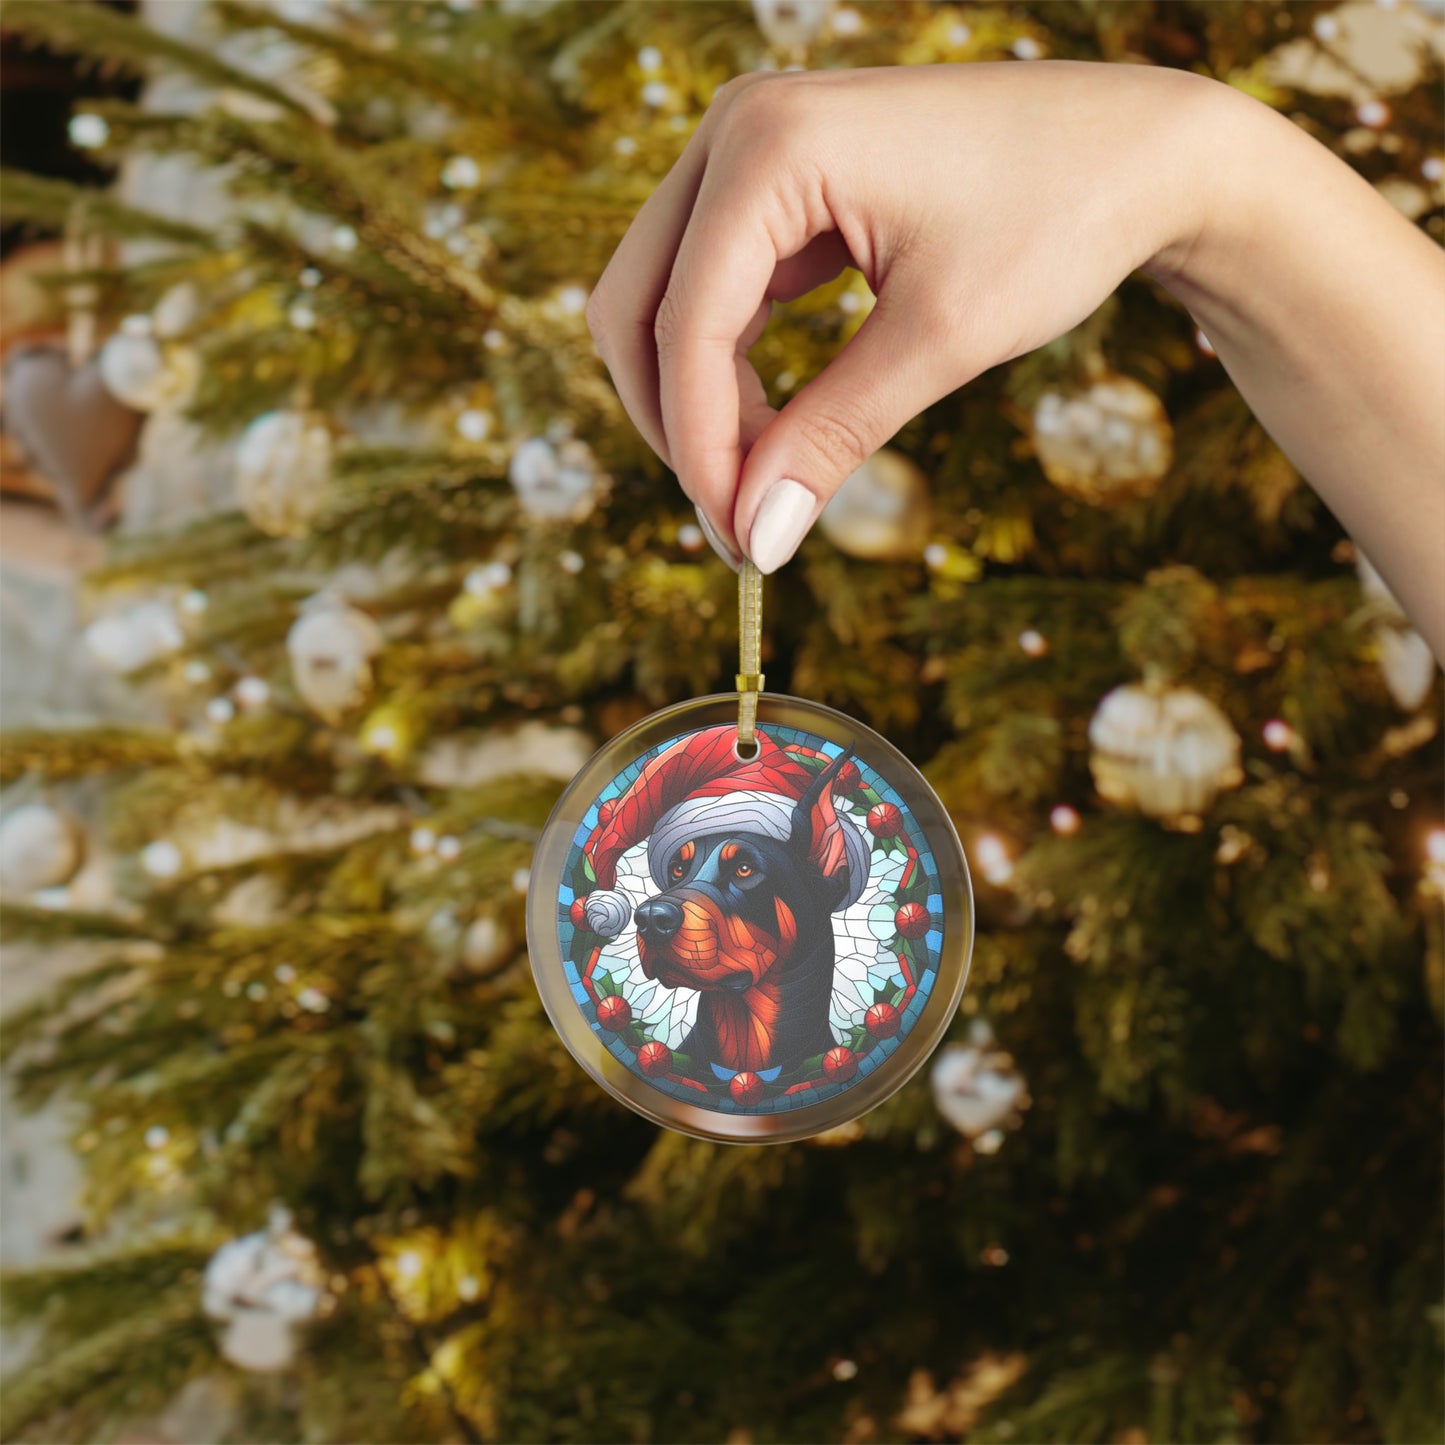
990, 208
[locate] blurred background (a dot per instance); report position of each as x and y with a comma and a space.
328, 555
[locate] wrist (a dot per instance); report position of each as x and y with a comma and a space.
1229, 160
1211, 161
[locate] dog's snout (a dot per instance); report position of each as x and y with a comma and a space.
658, 918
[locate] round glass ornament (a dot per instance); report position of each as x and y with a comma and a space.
750, 947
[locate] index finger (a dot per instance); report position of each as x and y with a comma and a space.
715, 295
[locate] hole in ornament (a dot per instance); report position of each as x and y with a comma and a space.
745, 752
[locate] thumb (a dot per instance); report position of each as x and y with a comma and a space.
895, 366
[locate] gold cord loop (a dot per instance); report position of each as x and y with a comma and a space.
750, 652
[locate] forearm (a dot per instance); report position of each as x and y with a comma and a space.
1327, 308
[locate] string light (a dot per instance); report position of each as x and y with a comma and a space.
252, 692
449, 848
313, 1000
1278, 735
461, 173
88, 132
380, 738
491, 577
572, 300
423, 840
993, 859
1435, 859
408, 1264
1033, 642
220, 710
1064, 820
161, 859
474, 425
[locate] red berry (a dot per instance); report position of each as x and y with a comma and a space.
606, 810
848, 778
654, 1059
746, 1089
578, 913
839, 1064
885, 821
912, 920
614, 1013
882, 1021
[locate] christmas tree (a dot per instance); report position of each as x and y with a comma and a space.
1177, 1174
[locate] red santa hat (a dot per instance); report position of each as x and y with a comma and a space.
700, 785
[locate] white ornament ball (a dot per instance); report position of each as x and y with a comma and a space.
40, 847
1407, 664
136, 637
977, 1089
1110, 443
554, 483
283, 470
261, 1287
792, 24
486, 945
331, 647
140, 372
882, 512
1406, 661
1165, 751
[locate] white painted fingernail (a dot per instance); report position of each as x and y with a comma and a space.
716, 542
782, 522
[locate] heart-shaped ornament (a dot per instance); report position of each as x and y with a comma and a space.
77, 435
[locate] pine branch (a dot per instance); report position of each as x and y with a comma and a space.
54, 204
83, 752
110, 37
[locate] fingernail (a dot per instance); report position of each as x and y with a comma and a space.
716, 542
781, 524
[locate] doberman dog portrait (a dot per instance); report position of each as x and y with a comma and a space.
751, 861
747, 920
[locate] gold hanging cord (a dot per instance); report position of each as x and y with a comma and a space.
750, 649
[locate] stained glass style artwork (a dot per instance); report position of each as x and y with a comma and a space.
750, 947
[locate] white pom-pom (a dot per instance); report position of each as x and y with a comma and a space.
608, 912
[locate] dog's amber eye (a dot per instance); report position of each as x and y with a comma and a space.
678, 870
744, 870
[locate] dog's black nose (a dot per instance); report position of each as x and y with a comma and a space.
658, 918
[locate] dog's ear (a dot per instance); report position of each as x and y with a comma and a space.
816, 829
